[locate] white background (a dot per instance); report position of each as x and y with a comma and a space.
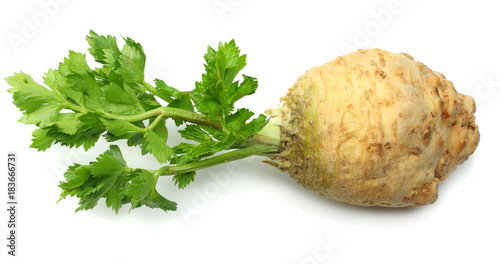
249, 212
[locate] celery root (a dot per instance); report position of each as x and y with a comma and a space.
375, 128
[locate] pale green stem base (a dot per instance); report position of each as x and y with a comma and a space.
257, 149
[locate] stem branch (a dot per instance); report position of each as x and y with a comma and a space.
150, 88
156, 122
166, 111
219, 159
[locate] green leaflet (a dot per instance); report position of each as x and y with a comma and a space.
121, 129
132, 62
104, 49
27, 94
216, 94
155, 144
142, 191
183, 180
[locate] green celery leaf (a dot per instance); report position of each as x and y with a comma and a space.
142, 191
156, 200
237, 120
148, 101
76, 175
160, 129
106, 165
195, 132
46, 114
218, 91
92, 123
41, 139
115, 195
120, 128
165, 92
89, 132
215, 95
120, 109
156, 145
125, 68
253, 127
183, 180
69, 123
216, 133
202, 150
174, 98
135, 140
58, 82
114, 93
104, 49
237, 123
208, 105
247, 87
182, 148
132, 62
107, 177
29, 95
115, 152
78, 74
228, 141
104, 187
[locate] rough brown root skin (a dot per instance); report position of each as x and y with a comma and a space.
375, 128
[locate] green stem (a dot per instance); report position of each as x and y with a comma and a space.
269, 135
166, 111
256, 149
150, 88
74, 107
155, 122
